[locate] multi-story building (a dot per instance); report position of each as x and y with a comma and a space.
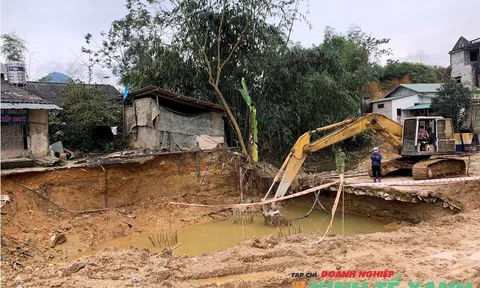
464, 60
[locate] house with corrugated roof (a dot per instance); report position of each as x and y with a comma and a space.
52, 91
407, 100
24, 130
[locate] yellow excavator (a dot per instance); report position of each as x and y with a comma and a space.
415, 152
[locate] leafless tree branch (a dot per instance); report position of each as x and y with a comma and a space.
237, 43
207, 62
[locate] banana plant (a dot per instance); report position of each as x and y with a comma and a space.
253, 121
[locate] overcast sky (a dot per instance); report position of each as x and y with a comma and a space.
54, 28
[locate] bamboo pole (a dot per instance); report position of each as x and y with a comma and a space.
304, 192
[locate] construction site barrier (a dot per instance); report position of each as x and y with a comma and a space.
417, 182
304, 192
311, 190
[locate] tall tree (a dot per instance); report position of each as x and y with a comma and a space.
454, 101
13, 48
207, 35
359, 54
295, 88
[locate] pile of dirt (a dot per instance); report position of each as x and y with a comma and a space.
445, 249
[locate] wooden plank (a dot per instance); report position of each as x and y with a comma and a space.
16, 163
46, 161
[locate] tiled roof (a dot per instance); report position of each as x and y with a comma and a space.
52, 92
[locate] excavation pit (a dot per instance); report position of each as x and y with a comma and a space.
120, 204
218, 235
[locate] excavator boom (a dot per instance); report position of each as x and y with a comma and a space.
388, 129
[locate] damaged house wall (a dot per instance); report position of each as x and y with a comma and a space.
37, 140
26, 140
465, 61
150, 125
24, 123
461, 69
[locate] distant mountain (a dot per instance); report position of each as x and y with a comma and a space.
56, 77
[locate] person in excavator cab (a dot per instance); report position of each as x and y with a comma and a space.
423, 138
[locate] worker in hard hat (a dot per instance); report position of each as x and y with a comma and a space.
376, 165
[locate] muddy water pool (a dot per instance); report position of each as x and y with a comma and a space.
218, 235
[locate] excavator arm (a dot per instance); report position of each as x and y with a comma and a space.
388, 129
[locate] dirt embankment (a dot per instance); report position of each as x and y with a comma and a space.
134, 197
457, 196
130, 198
411, 203
445, 249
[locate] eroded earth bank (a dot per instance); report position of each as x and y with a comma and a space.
55, 215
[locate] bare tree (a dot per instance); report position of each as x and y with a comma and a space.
13, 48
420, 56
75, 70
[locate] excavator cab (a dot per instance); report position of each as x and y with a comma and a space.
427, 136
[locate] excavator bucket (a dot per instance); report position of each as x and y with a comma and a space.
275, 218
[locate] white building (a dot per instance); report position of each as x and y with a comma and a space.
407, 100
465, 61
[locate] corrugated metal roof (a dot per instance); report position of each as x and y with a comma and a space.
418, 107
29, 106
14, 95
169, 95
393, 98
423, 87
52, 91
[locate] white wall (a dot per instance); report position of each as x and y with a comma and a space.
386, 110
403, 103
461, 67
425, 99
391, 106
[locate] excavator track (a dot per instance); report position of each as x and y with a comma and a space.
434, 168
395, 164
